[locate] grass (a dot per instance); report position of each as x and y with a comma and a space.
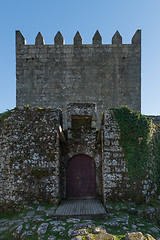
113, 215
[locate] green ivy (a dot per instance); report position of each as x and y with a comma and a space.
135, 130
156, 163
5, 115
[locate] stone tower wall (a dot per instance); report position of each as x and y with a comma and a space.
108, 75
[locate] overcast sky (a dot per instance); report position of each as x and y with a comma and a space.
68, 16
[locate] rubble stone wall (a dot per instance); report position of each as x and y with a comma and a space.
116, 182
115, 174
29, 156
33, 159
82, 141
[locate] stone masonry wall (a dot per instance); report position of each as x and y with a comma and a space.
115, 174
29, 156
55, 75
85, 143
82, 141
33, 161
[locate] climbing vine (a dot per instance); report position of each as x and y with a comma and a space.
4, 115
135, 132
156, 157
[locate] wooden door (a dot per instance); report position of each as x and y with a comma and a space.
81, 176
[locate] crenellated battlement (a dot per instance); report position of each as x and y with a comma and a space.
55, 75
77, 40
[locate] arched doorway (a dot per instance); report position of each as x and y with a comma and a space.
81, 176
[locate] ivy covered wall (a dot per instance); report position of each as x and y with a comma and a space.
131, 156
33, 159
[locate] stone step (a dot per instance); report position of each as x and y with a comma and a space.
81, 208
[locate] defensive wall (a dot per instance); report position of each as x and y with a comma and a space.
84, 80
108, 75
35, 153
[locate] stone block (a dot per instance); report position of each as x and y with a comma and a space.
97, 39
117, 39
77, 39
39, 40
71, 73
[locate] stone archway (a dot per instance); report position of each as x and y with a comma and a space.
81, 176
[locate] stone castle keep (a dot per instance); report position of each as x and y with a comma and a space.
108, 75
62, 141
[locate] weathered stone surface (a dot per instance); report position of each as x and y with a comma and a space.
55, 75
27, 226
112, 223
114, 161
50, 213
58, 229
39, 39
156, 230
26, 234
97, 39
137, 37
77, 238
15, 226
73, 220
18, 231
38, 219
31, 213
99, 230
3, 229
75, 232
100, 236
77, 39
78, 230
117, 39
57, 223
51, 238
134, 227
134, 236
30, 145
37, 162
40, 208
41, 237
42, 228
83, 141
149, 237
58, 40
20, 40
28, 207
3, 221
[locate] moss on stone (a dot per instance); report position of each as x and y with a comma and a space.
39, 173
4, 116
79, 122
11, 161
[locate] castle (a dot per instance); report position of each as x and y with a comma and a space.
108, 75
51, 148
